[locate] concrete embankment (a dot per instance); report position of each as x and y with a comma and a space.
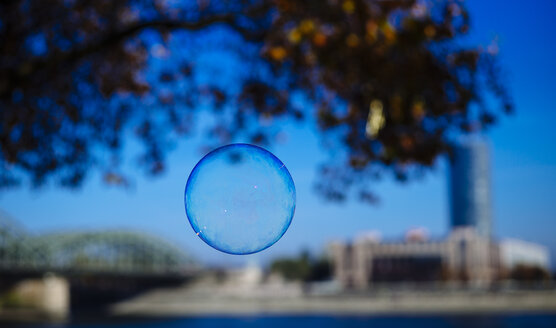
45, 298
193, 302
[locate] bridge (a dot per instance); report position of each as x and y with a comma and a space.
99, 266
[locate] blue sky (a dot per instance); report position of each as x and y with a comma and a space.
523, 162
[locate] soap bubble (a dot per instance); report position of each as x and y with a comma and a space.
240, 199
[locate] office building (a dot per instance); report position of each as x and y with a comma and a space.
470, 191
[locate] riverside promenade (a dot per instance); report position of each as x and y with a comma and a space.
290, 300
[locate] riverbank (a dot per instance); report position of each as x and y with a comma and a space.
191, 302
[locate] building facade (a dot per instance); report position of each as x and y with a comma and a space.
463, 256
470, 190
468, 254
515, 252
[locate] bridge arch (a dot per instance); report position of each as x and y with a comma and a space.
114, 252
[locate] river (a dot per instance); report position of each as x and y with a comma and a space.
409, 321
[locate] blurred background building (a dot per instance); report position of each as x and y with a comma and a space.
468, 254
463, 256
470, 190
515, 253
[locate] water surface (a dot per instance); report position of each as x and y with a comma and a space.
447, 321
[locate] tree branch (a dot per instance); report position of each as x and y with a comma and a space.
114, 37
228, 19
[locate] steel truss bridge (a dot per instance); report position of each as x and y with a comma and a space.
100, 253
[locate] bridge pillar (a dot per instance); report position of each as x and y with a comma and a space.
49, 295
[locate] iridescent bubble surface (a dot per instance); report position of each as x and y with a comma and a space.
240, 199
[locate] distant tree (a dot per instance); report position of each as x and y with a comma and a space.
321, 269
303, 268
386, 81
529, 274
293, 268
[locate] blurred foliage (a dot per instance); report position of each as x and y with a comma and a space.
11, 300
529, 273
387, 82
303, 268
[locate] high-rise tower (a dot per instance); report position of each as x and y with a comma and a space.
470, 193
